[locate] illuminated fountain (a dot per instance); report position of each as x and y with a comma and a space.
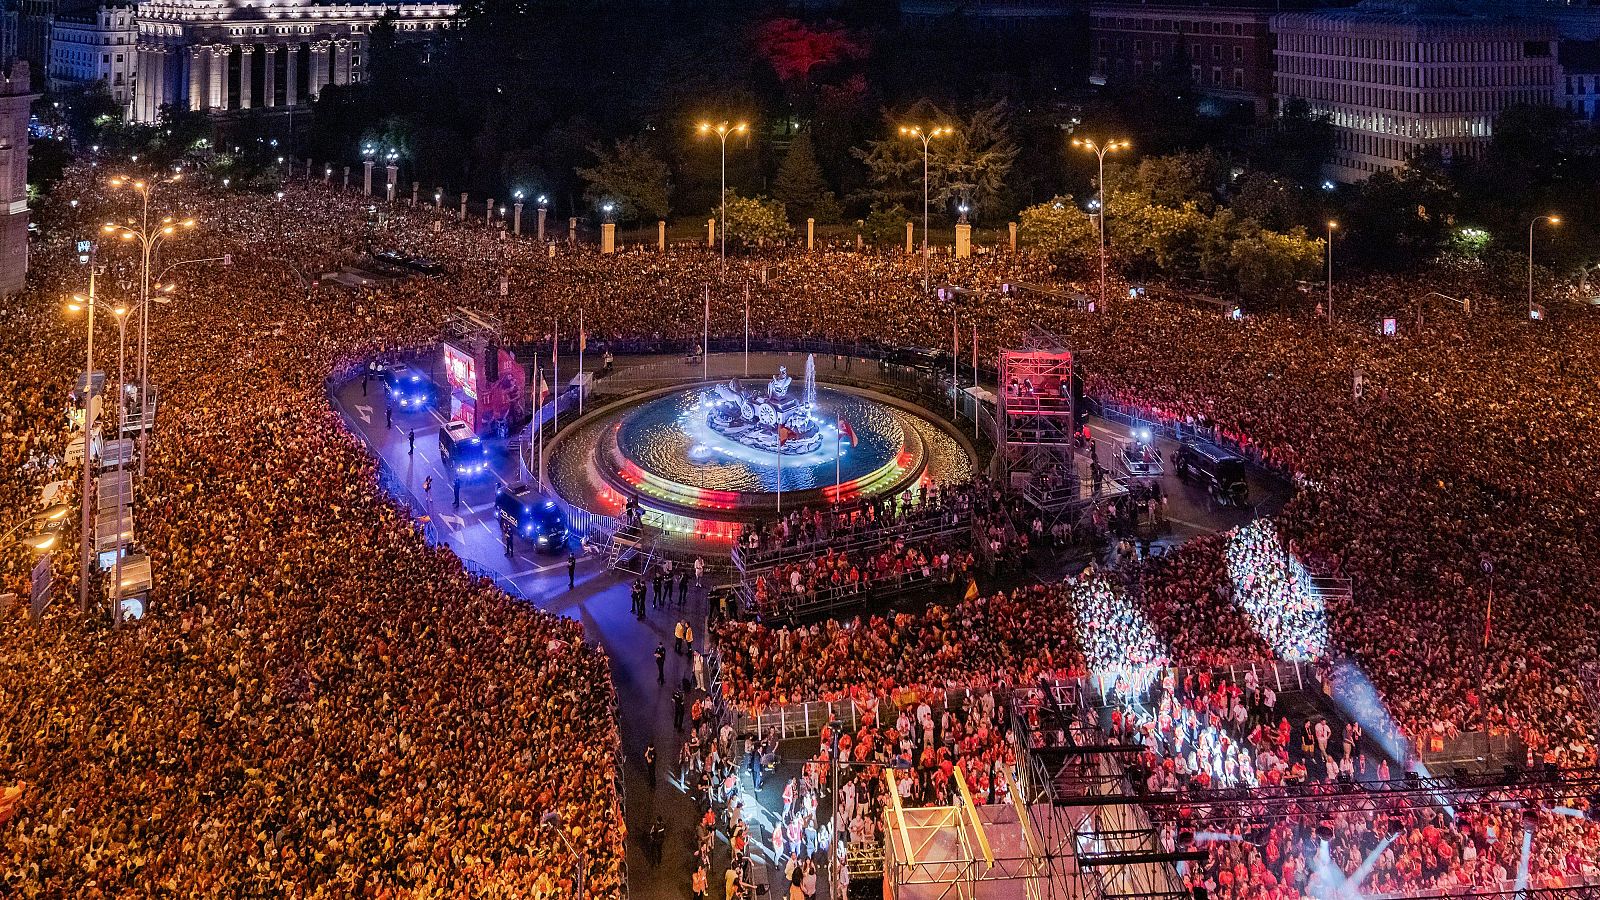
755, 419
702, 458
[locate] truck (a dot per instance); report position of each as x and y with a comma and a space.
463, 454
527, 514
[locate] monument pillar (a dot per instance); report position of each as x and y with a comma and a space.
247, 54
291, 76
269, 76
194, 76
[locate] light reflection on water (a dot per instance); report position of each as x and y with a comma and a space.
667, 437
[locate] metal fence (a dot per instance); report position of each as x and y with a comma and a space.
1115, 412
798, 720
751, 562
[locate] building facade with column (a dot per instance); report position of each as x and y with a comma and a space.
1398, 77
95, 44
215, 56
16, 102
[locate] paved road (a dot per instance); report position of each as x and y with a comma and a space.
600, 601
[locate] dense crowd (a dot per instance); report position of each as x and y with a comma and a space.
319, 703
318, 699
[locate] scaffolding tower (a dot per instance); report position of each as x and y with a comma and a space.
1037, 412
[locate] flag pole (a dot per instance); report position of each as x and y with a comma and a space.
555, 360
705, 340
780, 477
838, 449
974, 380
538, 418
583, 338
747, 328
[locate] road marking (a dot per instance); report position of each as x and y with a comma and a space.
365, 412
455, 522
536, 570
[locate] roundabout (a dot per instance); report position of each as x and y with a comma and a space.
707, 457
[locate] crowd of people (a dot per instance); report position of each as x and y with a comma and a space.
317, 702
319, 699
1395, 849
837, 577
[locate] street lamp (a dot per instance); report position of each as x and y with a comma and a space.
926, 136
722, 130
86, 304
47, 519
1100, 151
1553, 220
552, 821
150, 236
121, 314
1327, 251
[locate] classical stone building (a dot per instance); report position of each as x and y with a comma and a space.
95, 44
16, 97
220, 55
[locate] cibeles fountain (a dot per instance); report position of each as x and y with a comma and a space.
772, 420
705, 458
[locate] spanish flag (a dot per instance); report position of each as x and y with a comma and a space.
846, 432
785, 435
972, 589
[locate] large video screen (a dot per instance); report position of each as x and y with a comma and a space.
460, 371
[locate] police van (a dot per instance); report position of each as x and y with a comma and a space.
406, 388
463, 453
532, 517
1221, 472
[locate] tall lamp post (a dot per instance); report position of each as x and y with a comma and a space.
722, 130
87, 304
1553, 220
552, 821
121, 313
926, 136
149, 236
1327, 250
1100, 150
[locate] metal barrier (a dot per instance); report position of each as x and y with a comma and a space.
831, 598
754, 562
1115, 412
1280, 675
806, 720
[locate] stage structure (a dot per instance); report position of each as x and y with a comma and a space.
487, 386
1106, 846
1037, 405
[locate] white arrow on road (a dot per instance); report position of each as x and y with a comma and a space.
455, 522
365, 412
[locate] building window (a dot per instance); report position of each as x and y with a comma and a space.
1238, 54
